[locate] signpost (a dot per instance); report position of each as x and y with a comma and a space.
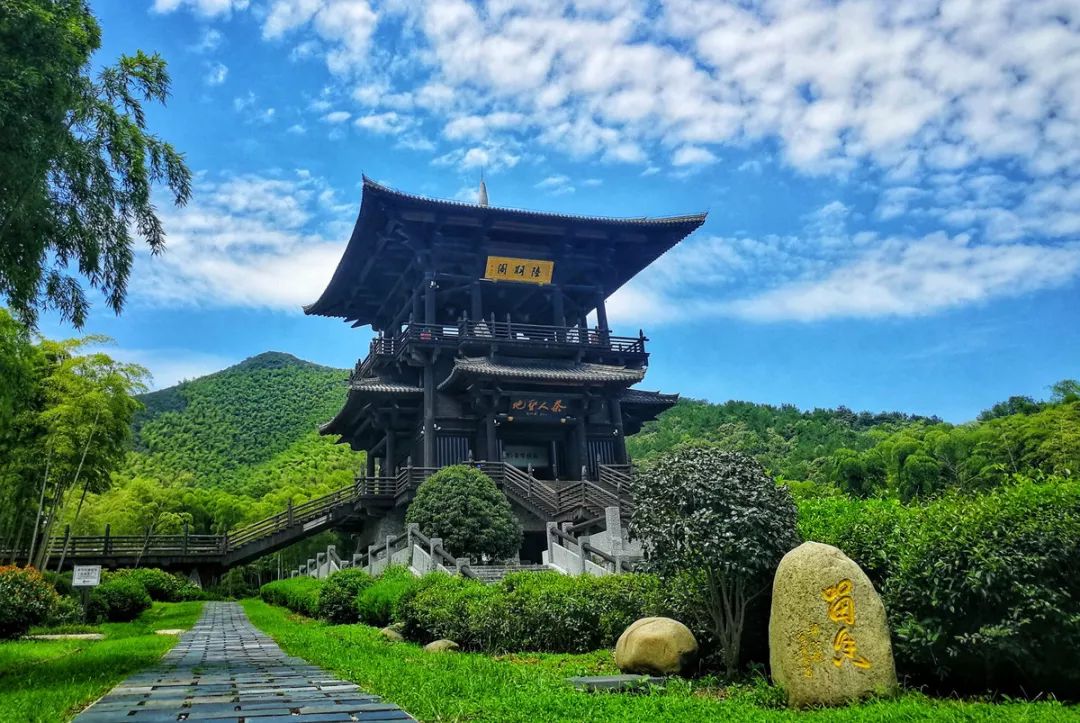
85, 577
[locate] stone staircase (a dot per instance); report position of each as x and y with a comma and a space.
494, 573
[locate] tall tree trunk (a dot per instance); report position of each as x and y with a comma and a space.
41, 504
50, 522
78, 471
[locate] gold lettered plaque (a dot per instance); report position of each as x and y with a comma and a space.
530, 271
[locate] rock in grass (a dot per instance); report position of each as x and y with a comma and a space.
391, 635
656, 646
828, 637
442, 646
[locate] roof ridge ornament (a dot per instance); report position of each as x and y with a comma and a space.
482, 195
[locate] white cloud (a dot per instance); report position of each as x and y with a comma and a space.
384, 123
216, 74
692, 156
206, 8
337, 116
211, 40
909, 278
556, 185
248, 241
827, 271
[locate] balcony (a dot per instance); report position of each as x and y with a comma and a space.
508, 336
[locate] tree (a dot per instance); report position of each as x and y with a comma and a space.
714, 520
77, 162
463, 506
69, 428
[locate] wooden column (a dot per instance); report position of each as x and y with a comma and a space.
370, 464
476, 294
617, 421
391, 464
492, 442
601, 317
582, 442
429, 413
416, 308
558, 309
429, 300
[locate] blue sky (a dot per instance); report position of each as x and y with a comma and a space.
894, 213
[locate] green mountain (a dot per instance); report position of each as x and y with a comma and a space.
219, 427
228, 448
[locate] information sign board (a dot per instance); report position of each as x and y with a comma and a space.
86, 576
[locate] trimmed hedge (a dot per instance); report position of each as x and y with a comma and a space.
117, 600
26, 599
981, 589
530, 611
162, 586
299, 594
380, 603
337, 597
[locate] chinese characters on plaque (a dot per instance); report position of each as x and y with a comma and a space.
531, 271
538, 406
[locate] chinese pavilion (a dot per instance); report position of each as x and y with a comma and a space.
484, 352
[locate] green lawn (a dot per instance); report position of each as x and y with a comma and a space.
52, 680
532, 687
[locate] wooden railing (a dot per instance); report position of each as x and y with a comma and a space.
522, 485
305, 512
487, 331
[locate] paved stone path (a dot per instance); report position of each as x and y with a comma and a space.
224, 669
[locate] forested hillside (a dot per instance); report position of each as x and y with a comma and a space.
888, 454
228, 448
790, 443
218, 426
239, 444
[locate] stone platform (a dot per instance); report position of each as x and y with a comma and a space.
225, 671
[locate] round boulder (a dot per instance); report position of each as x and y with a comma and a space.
391, 635
441, 646
656, 646
828, 637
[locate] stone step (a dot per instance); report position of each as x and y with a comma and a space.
494, 573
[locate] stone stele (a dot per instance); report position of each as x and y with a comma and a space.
828, 637
656, 646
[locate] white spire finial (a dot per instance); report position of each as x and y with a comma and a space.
482, 197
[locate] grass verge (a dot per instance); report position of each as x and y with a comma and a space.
52, 680
532, 687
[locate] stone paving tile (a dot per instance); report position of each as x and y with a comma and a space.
224, 670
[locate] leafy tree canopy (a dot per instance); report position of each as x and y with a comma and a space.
463, 506
77, 162
719, 523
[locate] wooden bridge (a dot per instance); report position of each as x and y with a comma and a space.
212, 554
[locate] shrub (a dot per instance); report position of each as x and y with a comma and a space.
25, 599
529, 611
118, 599
438, 608
61, 582
299, 594
337, 597
379, 604
67, 611
463, 506
870, 532
985, 593
162, 586
715, 520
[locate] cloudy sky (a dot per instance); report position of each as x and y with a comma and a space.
894, 212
